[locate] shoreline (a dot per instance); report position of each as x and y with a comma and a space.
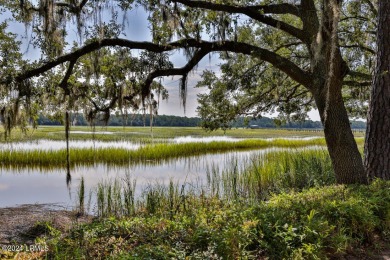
19, 224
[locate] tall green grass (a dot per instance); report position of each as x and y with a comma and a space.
260, 176
148, 153
116, 197
143, 134
254, 180
274, 206
331, 222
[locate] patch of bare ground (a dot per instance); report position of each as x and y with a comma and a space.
383, 254
21, 225
378, 250
18, 225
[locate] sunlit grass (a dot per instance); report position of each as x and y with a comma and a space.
253, 180
143, 134
152, 152
148, 153
334, 221
281, 205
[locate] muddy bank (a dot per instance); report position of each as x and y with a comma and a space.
19, 224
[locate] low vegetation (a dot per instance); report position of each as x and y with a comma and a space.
280, 205
144, 134
256, 179
316, 223
151, 153
283, 204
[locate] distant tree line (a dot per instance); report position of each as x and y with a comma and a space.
166, 120
129, 120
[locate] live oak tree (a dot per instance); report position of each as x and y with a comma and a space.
377, 145
113, 83
289, 54
13, 110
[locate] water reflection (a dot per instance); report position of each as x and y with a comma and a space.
52, 145
29, 186
192, 139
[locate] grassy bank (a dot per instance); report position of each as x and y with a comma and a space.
318, 223
148, 153
281, 205
254, 180
144, 134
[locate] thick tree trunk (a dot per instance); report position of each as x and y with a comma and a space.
377, 144
329, 70
342, 147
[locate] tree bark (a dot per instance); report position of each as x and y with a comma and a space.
330, 70
343, 150
377, 143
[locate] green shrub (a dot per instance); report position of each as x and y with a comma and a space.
316, 223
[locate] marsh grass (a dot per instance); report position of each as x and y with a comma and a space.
148, 153
331, 222
116, 197
131, 133
273, 172
143, 134
272, 206
254, 180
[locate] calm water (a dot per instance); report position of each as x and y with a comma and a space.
29, 186
58, 145
44, 144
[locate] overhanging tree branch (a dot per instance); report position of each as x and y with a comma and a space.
361, 75
91, 47
254, 13
204, 47
284, 8
352, 83
359, 46
64, 82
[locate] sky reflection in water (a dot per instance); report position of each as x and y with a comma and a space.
29, 186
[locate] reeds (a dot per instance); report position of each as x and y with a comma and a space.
137, 133
116, 197
147, 153
254, 180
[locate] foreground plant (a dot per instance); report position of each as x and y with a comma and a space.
317, 223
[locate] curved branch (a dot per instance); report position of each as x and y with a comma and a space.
285, 65
284, 8
361, 75
204, 47
177, 71
372, 7
64, 82
352, 83
91, 47
359, 46
254, 13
